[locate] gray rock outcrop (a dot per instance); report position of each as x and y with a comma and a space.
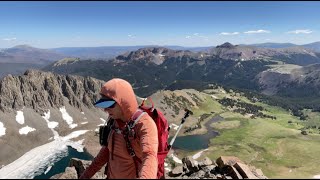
225, 167
41, 90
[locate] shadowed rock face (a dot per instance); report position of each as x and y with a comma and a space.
41, 90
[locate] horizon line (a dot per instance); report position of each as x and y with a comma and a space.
157, 45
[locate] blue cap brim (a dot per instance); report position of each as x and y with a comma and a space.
104, 103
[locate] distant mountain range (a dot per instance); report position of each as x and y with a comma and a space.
18, 59
314, 46
109, 52
154, 68
28, 54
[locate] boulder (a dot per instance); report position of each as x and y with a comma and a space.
70, 173
223, 161
177, 171
205, 162
190, 165
245, 171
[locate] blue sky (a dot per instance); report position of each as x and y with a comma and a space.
50, 24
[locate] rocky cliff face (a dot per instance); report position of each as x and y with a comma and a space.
37, 99
291, 80
42, 90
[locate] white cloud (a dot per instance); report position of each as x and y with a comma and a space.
300, 31
257, 31
196, 35
227, 33
131, 36
9, 39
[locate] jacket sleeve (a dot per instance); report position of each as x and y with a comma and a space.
149, 142
100, 160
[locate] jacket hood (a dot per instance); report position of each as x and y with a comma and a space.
122, 92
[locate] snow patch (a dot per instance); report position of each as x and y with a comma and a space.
51, 125
20, 117
103, 120
34, 162
316, 176
176, 159
48, 169
67, 117
213, 96
84, 123
175, 126
26, 130
2, 129
74, 134
82, 112
197, 155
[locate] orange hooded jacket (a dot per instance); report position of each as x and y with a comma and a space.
120, 163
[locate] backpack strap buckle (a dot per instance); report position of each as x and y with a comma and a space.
132, 154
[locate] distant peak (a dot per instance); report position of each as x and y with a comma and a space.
23, 46
153, 48
226, 45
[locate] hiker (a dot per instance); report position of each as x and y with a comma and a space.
119, 101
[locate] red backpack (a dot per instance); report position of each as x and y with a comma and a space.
163, 133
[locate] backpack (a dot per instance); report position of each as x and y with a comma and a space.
163, 133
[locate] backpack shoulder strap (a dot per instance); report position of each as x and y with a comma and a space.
138, 114
129, 131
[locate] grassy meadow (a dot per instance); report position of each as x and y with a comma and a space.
275, 146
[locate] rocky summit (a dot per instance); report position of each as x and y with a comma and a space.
225, 167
